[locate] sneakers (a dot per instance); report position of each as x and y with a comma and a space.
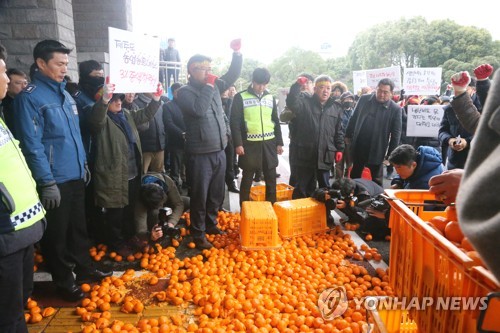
202, 244
94, 275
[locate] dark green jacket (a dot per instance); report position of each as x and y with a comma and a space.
111, 153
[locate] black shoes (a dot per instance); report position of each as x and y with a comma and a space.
72, 294
202, 244
214, 231
233, 187
91, 276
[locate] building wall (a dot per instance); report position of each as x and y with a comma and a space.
23, 23
92, 19
79, 24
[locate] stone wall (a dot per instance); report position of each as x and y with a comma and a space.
92, 19
81, 25
23, 23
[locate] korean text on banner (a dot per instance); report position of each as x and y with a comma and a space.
424, 120
422, 81
373, 76
133, 61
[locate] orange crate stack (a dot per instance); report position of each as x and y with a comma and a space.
300, 217
425, 264
283, 192
259, 226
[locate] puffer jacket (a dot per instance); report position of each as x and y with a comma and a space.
429, 164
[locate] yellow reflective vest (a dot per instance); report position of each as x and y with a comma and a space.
258, 116
17, 187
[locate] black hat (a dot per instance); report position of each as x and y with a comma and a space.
116, 96
345, 95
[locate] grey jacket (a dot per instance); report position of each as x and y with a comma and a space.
478, 202
201, 105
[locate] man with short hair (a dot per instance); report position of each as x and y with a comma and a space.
256, 134
374, 130
415, 166
319, 135
206, 138
20, 215
48, 129
18, 81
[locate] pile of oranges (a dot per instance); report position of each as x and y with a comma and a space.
450, 228
232, 290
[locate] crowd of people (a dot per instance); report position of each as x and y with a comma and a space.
81, 163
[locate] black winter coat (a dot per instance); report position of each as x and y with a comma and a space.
319, 134
386, 127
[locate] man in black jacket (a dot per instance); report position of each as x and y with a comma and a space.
374, 130
319, 135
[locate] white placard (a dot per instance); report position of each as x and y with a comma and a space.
133, 61
373, 76
422, 81
424, 120
358, 80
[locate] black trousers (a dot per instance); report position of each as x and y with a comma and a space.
376, 170
177, 157
307, 178
65, 242
120, 222
16, 284
229, 162
269, 178
206, 178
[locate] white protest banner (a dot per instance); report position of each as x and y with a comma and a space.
133, 61
373, 76
358, 80
424, 120
422, 81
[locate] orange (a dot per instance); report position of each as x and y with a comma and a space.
48, 311
466, 244
439, 222
453, 232
476, 258
85, 287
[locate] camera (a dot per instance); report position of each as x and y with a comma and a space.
331, 197
378, 203
163, 214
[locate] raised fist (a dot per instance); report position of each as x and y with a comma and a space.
338, 156
236, 44
482, 72
302, 80
159, 92
460, 81
211, 79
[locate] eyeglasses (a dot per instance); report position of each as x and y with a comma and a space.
383, 92
203, 69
